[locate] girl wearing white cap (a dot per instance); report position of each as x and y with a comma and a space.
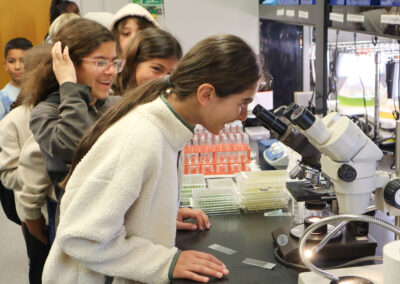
128, 21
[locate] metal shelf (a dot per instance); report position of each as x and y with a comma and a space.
347, 18
297, 15
362, 19
314, 15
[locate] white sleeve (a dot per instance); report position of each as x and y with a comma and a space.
92, 225
35, 182
9, 155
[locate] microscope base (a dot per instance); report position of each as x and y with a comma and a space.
371, 272
345, 247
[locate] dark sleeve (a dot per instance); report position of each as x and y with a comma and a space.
59, 128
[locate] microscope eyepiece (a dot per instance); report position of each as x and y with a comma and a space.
289, 110
269, 120
303, 118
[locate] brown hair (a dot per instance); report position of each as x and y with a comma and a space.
33, 58
142, 22
82, 36
145, 45
224, 61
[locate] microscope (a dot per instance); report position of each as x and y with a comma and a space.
311, 184
348, 158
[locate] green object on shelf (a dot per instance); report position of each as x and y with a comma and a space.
356, 101
152, 2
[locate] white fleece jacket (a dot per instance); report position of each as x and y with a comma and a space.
119, 210
16, 142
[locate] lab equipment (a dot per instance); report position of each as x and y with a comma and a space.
226, 153
349, 160
277, 155
348, 157
262, 190
284, 130
220, 197
190, 183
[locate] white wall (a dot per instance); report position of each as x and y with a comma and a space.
111, 6
192, 20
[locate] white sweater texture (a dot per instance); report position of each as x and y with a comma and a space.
119, 210
22, 167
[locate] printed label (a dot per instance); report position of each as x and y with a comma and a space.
390, 19
280, 12
290, 13
336, 17
355, 18
303, 14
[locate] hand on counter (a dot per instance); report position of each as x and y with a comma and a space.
199, 215
191, 262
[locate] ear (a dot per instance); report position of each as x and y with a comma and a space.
205, 93
5, 65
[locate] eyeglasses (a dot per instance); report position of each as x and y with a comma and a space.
103, 64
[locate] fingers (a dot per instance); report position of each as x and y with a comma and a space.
196, 266
66, 53
185, 226
210, 258
198, 214
57, 52
202, 220
196, 277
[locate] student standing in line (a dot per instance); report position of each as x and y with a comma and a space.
22, 168
128, 21
151, 54
67, 101
64, 110
58, 23
119, 210
58, 7
14, 52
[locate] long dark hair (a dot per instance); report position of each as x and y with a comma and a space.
224, 61
32, 59
82, 36
145, 45
58, 7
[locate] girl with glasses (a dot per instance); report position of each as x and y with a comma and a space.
69, 93
118, 214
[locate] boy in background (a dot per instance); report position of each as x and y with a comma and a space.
14, 52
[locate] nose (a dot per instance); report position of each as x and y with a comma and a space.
243, 113
18, 64
111, 69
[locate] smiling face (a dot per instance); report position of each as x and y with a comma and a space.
100, 80
127, 32
154, 68
14, 65
227, 109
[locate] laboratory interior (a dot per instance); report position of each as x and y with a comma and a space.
307, 188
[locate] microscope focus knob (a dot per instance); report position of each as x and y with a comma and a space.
347, 173
391, 193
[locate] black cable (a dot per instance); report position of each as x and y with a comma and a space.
398, 85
